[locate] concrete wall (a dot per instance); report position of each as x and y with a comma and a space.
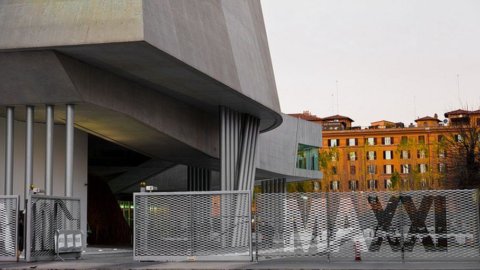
210, 52
80, 163
277, 149
54, 22
224, 39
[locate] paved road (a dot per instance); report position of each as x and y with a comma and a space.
108, 258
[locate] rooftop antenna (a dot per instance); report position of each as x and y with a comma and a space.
414, 108
336, 84
333, 104
458, 90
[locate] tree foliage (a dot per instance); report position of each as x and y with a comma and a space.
463, 157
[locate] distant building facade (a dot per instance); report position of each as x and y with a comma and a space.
386, 155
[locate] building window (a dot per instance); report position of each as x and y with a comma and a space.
424, 184
457, 138
405, 154
371, 155
442, 168
334, 156
352, 142
333, 142
371, 141
353, 185
372, 184
404, 139
440, 138
334, 170
421, 154
422, 168
372, 169
405, 168
334, 185
388, 169
441, 153
387, 140
307, 157
316, 186
421, 139
387, 155
387, 183
353, 170
352, 155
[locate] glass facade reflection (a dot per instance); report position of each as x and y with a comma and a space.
307, 157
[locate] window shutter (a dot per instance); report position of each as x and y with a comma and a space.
391, 140
383, 140
356, 141
376, 183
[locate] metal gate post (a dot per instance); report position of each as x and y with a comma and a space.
250, 249
192, 240
478, 217
28, 231
328, 224
402, 222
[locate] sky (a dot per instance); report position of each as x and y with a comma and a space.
393, 60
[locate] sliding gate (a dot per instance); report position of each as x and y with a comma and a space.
192, 226
375, 226
9, 206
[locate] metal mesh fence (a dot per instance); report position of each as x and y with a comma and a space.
375, 226
192, 225
8, 227
46, 215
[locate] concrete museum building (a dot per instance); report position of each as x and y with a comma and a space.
185, 87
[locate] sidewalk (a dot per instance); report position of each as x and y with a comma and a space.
121, 258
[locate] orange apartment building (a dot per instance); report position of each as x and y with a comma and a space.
386, 155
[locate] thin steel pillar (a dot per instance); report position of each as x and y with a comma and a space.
69, 151
29, 149
9, 152
49, 119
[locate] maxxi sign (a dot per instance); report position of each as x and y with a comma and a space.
324, 223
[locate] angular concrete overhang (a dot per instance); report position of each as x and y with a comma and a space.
277, 150
202, 53
109, 106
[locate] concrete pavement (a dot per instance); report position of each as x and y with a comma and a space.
121, 258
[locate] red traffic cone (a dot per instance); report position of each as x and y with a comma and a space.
357, 251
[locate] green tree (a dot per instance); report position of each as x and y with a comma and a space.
463, 157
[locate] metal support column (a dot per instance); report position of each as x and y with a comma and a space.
69, 151
29, 150
9, 152
49, 119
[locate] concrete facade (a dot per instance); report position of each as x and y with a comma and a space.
277, 153
150, 76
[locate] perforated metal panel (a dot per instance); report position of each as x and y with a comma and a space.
46, 215
448, 231
375, 226
8, 227
192, 226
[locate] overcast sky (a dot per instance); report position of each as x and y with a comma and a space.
393, 60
